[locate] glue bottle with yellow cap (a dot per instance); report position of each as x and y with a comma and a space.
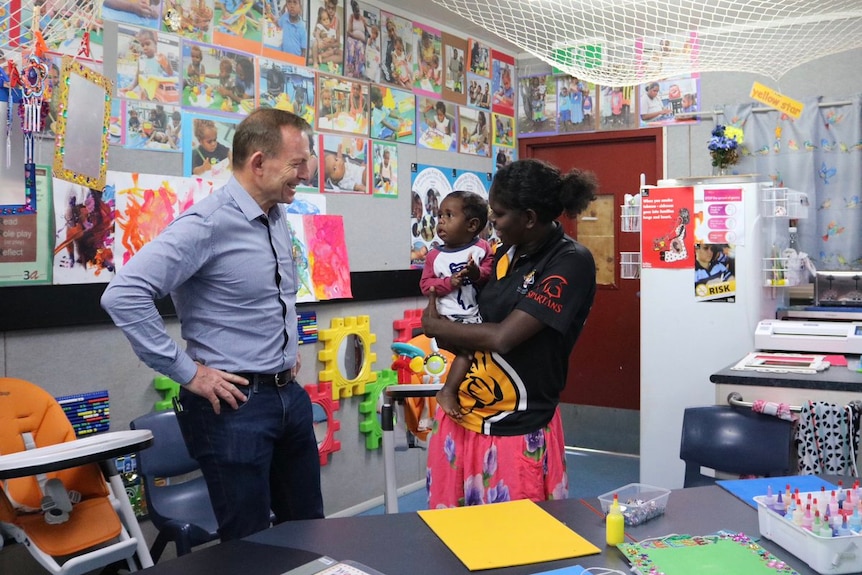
615, 524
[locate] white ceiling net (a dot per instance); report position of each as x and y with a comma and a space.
61, 22
627, 42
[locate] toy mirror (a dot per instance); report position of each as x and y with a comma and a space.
82, 125
346, 355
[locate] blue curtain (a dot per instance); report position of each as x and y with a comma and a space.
819, 153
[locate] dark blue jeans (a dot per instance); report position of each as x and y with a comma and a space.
260, 457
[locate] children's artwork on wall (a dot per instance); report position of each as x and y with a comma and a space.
343, 105
504, 132
84, 244
147, 65
302, 257
428, 61
479, 59
372, 42
305, 203
385, 170
206, 148
146, 204
393, 114
503, 156
438, 125
670, 101
397, 43
615, 108
192, 19
503, 86
430, 184
287, 87
284, 28
25, 244
218, 80
475, 132
537, 114
575, 105
454, 69
152, 126
330, 268
237, 24
326, 36
344, 164
148, 15
478, 92
356, 34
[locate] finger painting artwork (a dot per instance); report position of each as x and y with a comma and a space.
330, 268
84, 247
147, 203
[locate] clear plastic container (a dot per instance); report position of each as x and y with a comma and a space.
639, 502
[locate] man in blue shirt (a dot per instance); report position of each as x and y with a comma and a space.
294, 36
228, 265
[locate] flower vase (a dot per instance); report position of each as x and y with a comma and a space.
720, 170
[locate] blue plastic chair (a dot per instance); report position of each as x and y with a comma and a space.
180, 509
732, 440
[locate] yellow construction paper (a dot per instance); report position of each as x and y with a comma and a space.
505, 534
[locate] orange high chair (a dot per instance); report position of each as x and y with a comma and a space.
70, 519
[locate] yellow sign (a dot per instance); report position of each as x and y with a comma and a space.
774, 99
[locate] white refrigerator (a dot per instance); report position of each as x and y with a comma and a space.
685, 339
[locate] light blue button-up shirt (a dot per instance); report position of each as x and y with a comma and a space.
216, 262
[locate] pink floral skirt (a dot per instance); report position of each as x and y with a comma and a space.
468, 468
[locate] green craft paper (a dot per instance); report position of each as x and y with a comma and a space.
720, 558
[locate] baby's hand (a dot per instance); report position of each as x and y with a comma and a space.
455, 280
472, 269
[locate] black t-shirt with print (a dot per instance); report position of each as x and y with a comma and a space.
517, 393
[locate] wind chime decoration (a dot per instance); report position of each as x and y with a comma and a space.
35, 87
13, 94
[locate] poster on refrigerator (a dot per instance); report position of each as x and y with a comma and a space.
719, 216
667, 237
429, 185
714, 272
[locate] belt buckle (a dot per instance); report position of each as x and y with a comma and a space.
280, 379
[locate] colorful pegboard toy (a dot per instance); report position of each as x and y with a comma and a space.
404, 328
370, 408
321, 394
332, 338
169, 389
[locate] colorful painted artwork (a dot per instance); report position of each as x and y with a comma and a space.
84, 247
305, 287
330, 268
147, 203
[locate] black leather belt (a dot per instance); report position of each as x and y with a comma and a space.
278, 379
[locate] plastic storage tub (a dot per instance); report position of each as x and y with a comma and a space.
639, 502
827, 555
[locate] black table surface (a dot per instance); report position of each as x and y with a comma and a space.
835, 378
402, 544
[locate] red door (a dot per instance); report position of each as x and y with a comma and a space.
604, 369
